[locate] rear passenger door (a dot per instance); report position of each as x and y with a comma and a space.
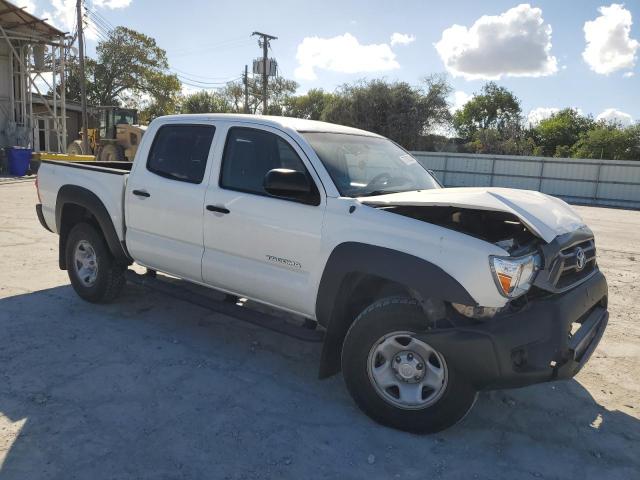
257, 245
164, 199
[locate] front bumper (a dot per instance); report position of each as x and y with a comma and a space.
532, 345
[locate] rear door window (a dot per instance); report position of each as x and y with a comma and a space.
180, 152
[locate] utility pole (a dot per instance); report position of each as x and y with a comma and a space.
264, 43
83, 87
246, 89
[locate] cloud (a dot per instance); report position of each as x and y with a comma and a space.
538, 114
611, 115
609, 47
402, 38
63, 15
628, 74
112, 4
29, 4
515, 43
460, 98
344, 54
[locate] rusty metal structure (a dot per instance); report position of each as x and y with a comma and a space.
32, 71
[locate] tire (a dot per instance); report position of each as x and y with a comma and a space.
379, 327
75, 148
110, 152
103, 284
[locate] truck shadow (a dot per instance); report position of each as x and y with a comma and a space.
148, 387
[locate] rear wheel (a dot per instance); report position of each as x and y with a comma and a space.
397, 379
111, 152
95, 275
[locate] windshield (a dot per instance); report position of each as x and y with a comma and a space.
361, 165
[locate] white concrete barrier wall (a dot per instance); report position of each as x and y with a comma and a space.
612, 183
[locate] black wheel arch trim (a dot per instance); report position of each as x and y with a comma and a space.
76, 195
41, 219
426, 280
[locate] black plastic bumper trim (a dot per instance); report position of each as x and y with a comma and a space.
43, 222
532, 345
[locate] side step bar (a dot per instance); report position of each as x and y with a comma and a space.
254, 317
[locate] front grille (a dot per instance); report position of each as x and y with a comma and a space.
561, 270
566, 264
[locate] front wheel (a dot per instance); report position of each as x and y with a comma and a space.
95, 275
397, 379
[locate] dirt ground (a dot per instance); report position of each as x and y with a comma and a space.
151, 387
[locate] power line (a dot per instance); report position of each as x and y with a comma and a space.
224, 82
102, 18
204, 87
189, 74
98, 25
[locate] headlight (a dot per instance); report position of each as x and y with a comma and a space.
513, 276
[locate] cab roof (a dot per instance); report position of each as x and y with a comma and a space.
297, 124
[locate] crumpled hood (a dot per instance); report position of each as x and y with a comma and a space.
544, 215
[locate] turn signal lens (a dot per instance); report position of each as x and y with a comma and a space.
505, 282
513, 276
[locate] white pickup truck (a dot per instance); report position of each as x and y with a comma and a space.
425, 294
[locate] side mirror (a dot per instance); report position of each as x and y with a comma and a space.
292, 184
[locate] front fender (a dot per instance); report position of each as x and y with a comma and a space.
427, 280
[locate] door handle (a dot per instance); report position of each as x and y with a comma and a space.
141, 193
213, 208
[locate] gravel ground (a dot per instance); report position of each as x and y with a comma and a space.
150, 387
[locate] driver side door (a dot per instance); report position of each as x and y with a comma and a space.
257, 245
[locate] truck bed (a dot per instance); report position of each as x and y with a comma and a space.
106, 180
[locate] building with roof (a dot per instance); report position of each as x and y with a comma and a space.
33, 109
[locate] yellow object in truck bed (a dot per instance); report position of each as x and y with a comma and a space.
62, 157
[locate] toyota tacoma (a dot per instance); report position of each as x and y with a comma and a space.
426, 295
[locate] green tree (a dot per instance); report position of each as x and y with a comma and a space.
493, 108
129, 61
397, 110
609, 141
309, 106
557, 134
205, 102
279, 91
130, 69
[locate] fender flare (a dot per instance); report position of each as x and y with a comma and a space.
75, 195
426, 280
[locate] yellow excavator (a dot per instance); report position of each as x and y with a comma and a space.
116, 138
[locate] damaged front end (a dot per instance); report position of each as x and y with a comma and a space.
532, 268
556, 308
503, 229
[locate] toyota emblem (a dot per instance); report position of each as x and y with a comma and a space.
580, 258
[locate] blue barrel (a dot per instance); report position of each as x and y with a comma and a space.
18, 159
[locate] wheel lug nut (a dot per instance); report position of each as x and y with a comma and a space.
417, 377
398, 359
419, 366
410, 356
